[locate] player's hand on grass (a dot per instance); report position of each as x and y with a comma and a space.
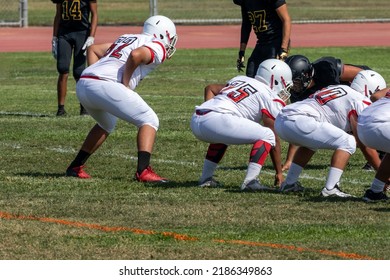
278, 179
286, 166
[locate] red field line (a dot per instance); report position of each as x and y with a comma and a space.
182, 237
32, 39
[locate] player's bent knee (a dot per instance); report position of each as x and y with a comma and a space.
270, 139
62, 69
76, 76
348, 144
108, 127
77, 73
151, 120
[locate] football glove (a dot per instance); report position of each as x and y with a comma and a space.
240, 61
282, 55
54, 46
90, 40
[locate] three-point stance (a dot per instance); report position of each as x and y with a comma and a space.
309, 77
373, 130
328, 120
233, 116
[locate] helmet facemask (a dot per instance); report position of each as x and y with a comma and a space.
284, 93
171, 46
301, 83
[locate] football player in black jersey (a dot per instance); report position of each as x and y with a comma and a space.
309, 77
271, 23
74, 30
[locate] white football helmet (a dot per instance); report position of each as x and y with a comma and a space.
277, 75
367, 82
163, 29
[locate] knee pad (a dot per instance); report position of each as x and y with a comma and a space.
270, 138
62, 68
77, 72
63, 65
348, 144
152, 120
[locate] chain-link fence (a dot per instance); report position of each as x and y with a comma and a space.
301, 11
134, 12
13, 13
197, 12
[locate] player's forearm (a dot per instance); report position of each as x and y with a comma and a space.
276, 157
246, 29
286, 37
56, 24
212, 90
94, 19
371, 156
287, 25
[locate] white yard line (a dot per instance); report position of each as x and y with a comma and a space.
68, 150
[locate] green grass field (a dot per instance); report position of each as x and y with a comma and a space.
44, 215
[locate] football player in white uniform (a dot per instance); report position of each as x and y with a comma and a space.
106, 90
326, 120
373, 130
233, 116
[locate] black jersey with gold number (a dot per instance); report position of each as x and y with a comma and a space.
262, 16
75, 14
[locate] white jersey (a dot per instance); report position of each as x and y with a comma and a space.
374, 125
245, 97
378, 112
111, 66
333, 104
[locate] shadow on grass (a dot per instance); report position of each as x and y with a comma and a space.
238, 190
172, 184
244, 167
320, 199
192, 184
62, 175
316, 166
382, 209
41, 174
24, 114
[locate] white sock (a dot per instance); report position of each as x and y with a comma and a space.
334, 176
252, 172
377, 186
208, 169
293, 173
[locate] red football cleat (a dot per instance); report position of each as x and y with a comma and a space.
77, 172
149, 176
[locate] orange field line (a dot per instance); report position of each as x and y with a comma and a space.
177, 236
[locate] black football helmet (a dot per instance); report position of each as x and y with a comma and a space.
302, 72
